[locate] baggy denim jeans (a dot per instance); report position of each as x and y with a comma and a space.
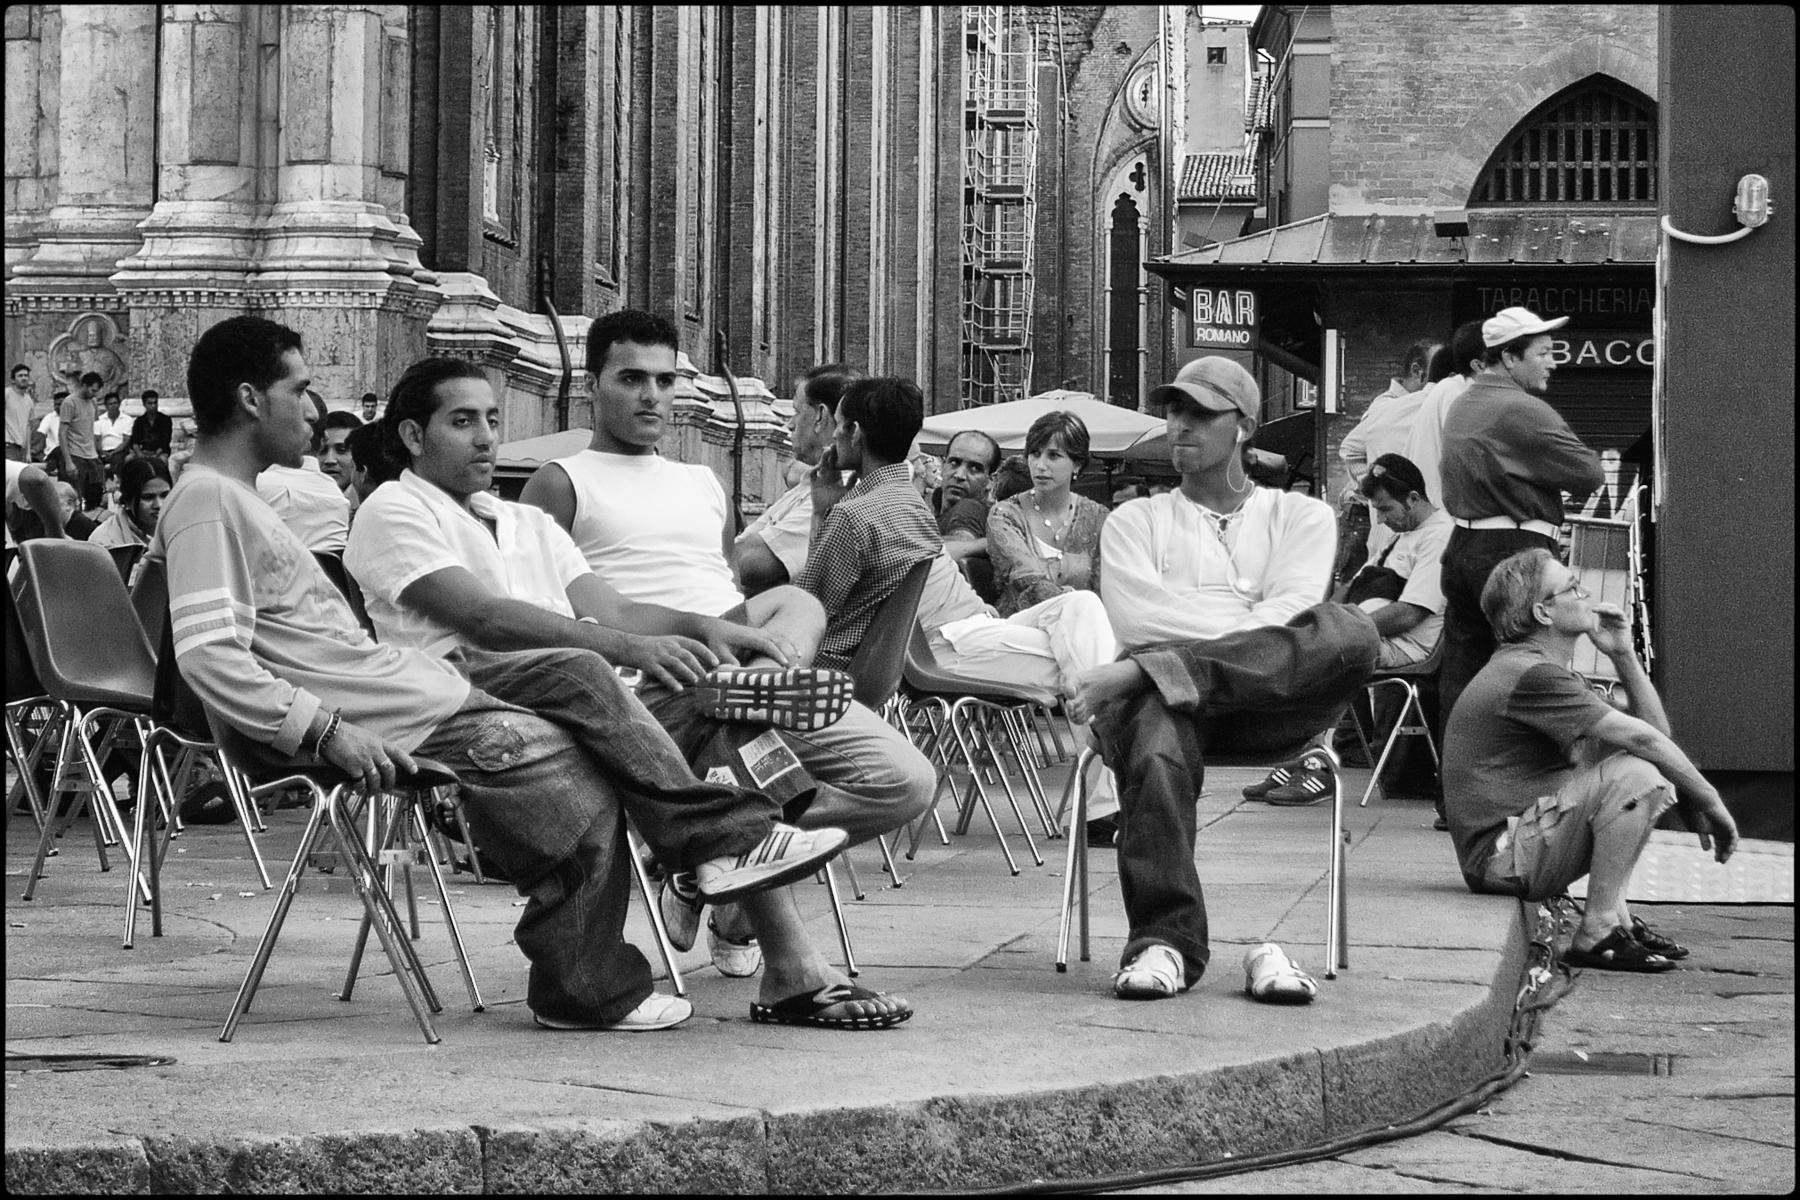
1256, 690
551, 749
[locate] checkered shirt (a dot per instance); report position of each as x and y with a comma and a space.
870, 540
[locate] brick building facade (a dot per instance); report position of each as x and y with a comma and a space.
1385, 116
399, 180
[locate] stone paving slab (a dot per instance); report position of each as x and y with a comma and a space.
1008, 1072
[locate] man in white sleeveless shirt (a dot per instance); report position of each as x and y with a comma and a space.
660, 532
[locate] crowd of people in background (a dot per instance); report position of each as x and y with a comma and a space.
1203, 616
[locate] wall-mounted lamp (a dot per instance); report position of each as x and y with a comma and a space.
1752, 209
1451, 222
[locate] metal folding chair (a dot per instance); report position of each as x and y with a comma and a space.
1337, 932
394, 846
1410, 722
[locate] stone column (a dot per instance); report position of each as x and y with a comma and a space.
336, 262
105, 144
201, 237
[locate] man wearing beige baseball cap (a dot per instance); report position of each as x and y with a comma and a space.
1215, 592
1508, 458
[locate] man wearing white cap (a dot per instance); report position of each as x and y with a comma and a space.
1508, 458
1215, 592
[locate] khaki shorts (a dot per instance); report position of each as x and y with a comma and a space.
1551, 844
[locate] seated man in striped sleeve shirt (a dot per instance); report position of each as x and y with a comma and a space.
548, 749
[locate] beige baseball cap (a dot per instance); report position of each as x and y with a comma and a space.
1215, 383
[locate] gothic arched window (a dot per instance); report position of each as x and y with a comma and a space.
1593, 143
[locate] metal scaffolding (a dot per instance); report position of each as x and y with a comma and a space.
1000, 146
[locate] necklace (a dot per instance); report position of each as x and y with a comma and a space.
1220, 524
1068, 516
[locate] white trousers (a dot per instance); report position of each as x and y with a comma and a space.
1039, 647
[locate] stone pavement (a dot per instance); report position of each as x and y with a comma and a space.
1675, 1083
1008, 1073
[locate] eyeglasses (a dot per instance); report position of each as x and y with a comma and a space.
1581, 593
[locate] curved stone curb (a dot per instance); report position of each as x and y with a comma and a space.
950, 1142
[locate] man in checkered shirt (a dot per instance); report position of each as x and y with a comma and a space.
865, 538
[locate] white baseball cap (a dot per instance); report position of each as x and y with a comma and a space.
1510, 323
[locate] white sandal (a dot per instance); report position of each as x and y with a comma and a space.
1157, 971
1271, 977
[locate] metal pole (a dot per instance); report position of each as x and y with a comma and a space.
737, 434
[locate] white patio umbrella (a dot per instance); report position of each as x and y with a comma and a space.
1112, 430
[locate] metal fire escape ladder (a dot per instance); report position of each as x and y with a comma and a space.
1000, 145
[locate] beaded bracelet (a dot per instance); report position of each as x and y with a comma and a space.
331, 727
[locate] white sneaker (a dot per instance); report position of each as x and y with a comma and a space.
785, 855
740, 960
656, 1012
680, 903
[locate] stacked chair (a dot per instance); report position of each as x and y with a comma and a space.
978, 723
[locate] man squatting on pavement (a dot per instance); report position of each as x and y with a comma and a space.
549, 750
1215, 592
1545, 782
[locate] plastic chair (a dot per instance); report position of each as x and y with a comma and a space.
84, 642
952, 703
1337, 933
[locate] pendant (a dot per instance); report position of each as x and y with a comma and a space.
1246, 585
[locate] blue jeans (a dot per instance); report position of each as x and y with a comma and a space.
1469, 556
686, 821
551, 750
1249, 692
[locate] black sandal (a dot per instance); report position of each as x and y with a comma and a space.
1618, 951
1655, 942
808, 1008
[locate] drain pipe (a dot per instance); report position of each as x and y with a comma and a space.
737, 434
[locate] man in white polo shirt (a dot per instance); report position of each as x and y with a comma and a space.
447, 568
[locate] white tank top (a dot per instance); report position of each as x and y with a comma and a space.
652, 528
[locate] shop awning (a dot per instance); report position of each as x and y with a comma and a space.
1381, 241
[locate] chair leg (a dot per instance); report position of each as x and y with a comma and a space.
976, 790
283, 901
408, 971
887, 860
635, 846
421, 827
1076, 788
837, 911
1337, 953
26, 762
984, 731
856, 888
1394, 734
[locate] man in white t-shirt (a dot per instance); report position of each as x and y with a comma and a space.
1215, 591
659, 532
448, 568
1424, 444
307, 500
773, 549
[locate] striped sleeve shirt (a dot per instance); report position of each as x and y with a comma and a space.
873, 536
264, 637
